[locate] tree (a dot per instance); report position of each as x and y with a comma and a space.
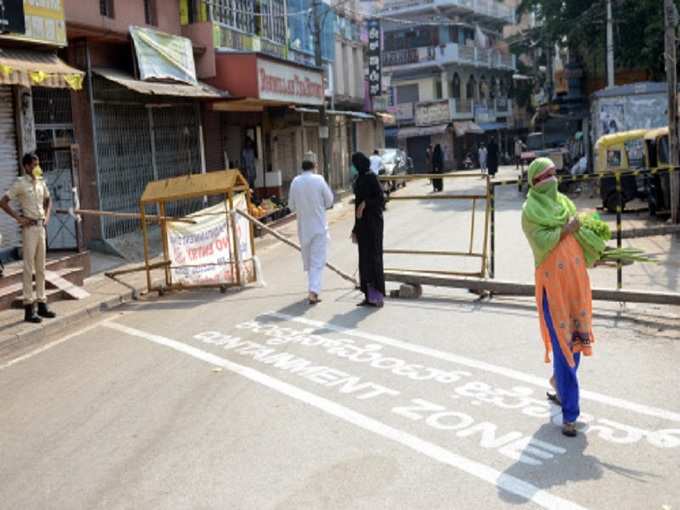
580, 26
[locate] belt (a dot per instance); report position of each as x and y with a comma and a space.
35, 223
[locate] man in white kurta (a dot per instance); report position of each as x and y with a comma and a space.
309, 197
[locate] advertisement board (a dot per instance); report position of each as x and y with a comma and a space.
43, 21
163, 56
374, 64
202, 253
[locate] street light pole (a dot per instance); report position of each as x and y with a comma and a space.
319, 18
671, 15
610, 46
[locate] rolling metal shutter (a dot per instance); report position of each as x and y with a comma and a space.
9, 165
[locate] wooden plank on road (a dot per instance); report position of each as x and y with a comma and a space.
509, 288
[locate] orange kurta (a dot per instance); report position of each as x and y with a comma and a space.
564, 277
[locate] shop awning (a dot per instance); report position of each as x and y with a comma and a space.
387, 118
493, 126
346, 113
467, 127
353, 114
153, 88
410, 132
245, 104
37, 68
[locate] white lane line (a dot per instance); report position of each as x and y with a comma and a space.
506, 482
657, 412
48, 346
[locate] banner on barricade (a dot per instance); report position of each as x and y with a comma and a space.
202, 253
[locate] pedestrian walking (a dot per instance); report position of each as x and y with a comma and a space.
438, 167
519, 147
369, 203
563, 294
33, 196
248, 161
309, 197
492, 158
376, 162
482, 157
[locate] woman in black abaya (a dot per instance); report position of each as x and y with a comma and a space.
369, 202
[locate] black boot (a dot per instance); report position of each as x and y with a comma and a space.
30, 316
43, 311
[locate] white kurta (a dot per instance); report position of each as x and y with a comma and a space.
309, 198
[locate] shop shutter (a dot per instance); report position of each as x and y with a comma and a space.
9, 165
125, 163
177, 149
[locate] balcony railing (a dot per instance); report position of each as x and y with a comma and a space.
450, 53
409, 56
488, 8
443, 111
461, 108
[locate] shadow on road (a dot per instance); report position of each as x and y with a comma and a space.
563, 470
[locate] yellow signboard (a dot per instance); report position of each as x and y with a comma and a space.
44, 22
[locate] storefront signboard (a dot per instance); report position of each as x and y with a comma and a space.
286, 83
42, 21
374, 64
433, 113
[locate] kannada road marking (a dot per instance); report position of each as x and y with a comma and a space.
480, 365
481, 471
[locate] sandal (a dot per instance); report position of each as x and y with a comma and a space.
553, 398
569, 429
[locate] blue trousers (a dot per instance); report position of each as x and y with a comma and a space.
565, 376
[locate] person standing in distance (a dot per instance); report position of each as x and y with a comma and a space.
376, 162
33, 196
309, 198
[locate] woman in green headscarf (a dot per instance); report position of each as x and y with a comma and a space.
563, 294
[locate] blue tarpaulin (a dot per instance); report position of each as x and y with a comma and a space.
493, 126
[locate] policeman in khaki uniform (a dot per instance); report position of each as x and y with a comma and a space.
33, 196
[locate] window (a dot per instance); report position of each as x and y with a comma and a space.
613, 158
455, 86
238, 14
437, 89
271, 23
470, 89
635, 153
150, 12
106, 8
407, 94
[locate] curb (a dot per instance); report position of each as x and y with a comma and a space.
14, 341
63, 322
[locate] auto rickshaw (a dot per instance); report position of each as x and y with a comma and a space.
657, 148
621, 152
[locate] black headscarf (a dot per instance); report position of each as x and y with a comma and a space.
361, 163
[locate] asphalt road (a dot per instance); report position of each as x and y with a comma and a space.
254, 400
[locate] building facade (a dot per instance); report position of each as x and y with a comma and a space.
116, 93
449, 75
36, 87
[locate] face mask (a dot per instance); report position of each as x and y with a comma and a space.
354, 170
548, 186
37, 171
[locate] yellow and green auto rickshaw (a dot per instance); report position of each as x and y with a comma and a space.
621, 152
657, 150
